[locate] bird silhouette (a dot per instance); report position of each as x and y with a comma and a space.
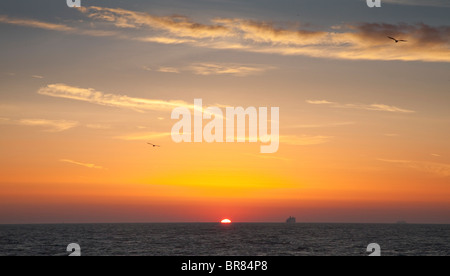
153, 145
397, 40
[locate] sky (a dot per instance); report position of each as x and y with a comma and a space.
364, 121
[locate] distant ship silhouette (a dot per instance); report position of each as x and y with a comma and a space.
291, 220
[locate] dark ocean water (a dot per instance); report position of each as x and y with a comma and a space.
210, 239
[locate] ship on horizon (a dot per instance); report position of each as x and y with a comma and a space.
291, 220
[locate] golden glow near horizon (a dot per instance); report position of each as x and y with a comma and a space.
363, 121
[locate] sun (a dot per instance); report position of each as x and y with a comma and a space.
225, 221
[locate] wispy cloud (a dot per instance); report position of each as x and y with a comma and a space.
37, 77
52, 125
319, 102
370, 107
207, 69
382, 107
169, 70
395, 161
351, 41
96, 97
357, 41
35, 24
93, 96
32, 23
178, 25
49, 125
86, 165
438, 169
165, 40
239, 70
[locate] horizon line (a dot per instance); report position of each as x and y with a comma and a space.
218, 222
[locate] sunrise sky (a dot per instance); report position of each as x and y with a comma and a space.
364, 122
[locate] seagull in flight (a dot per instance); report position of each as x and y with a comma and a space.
397, 40
153, 145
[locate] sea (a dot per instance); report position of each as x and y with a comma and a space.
214, 239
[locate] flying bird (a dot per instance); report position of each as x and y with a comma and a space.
153, 145
397, 40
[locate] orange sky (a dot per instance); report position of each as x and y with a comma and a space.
363, 122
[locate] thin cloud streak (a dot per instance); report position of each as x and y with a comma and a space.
55, 27
50, 125
208, 69
369, 107
93, 96
168, 70
86, 165
36, 24
239, 70
319, 102
96, 97
165, 40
